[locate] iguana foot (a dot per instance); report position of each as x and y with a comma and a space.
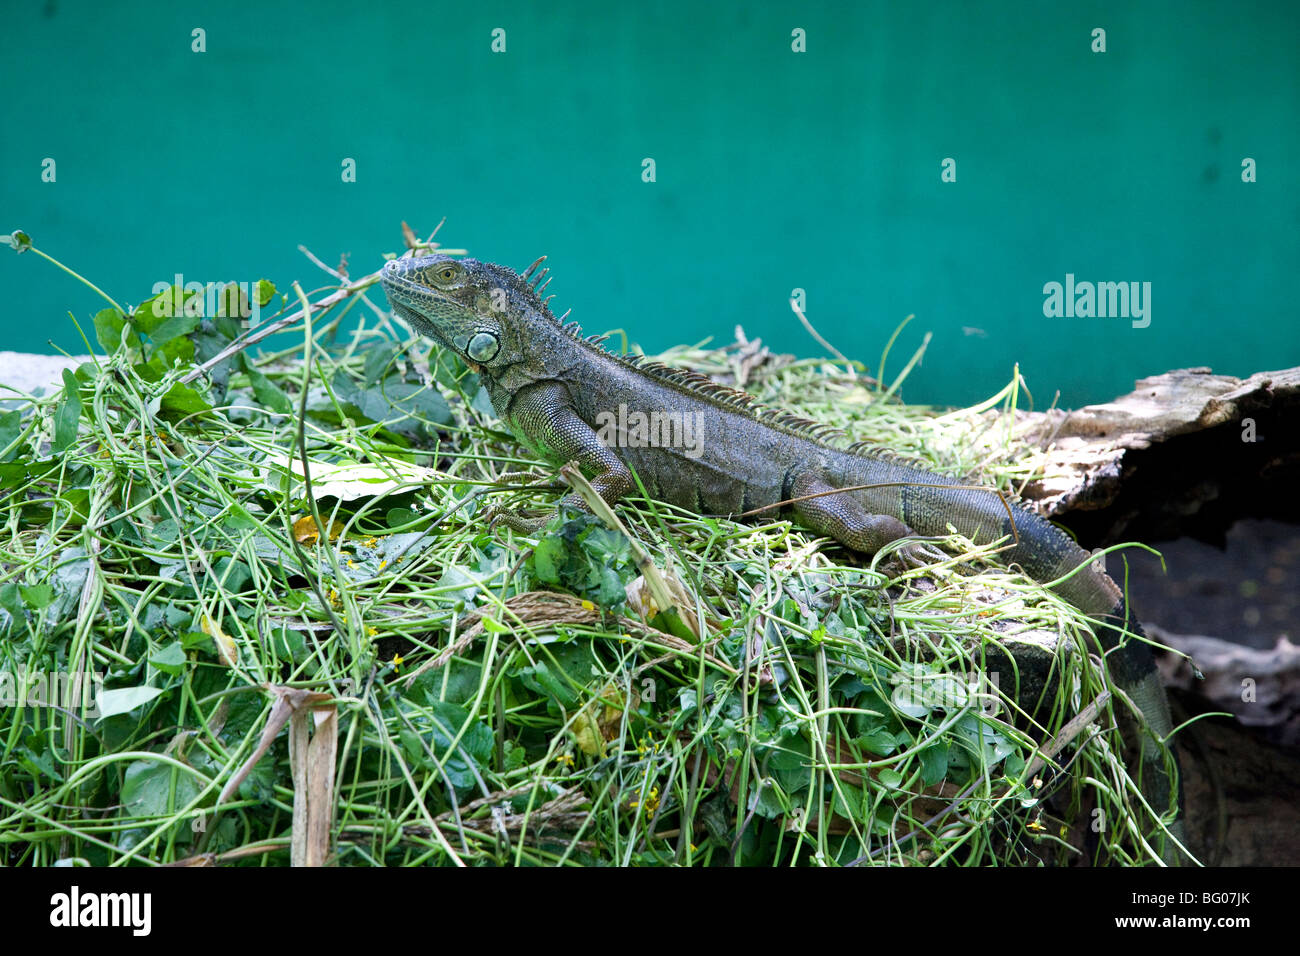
918, 552
530, 478
517, 522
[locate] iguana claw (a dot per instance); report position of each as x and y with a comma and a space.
918, 552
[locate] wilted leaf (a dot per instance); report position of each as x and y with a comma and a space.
600, 720
306, 531
348, 480
227, 649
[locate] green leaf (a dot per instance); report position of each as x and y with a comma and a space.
77, 501
983, 740
769, 800
540, 680
548, 557
233, 574
179, 350
378, 361
109, 324
266, 391
171, 328
209, 341
40, 763
263, 292
37, 596
72, 566
154, 311
393, 403
879, 742
170, 660
515, 756
400, 517
1014, 765
461, 586
12, 599
11, 426
125, 699
67, 416
934, 764
181, 400
586, 558
147, 789
668, 621
443, 723
150, 371
197, 640
171, 313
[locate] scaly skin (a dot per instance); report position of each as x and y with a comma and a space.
560, 394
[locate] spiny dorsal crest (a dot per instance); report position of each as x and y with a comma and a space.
536, 277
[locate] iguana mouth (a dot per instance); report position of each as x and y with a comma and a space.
396, 285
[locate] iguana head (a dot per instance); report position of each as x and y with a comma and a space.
487, 314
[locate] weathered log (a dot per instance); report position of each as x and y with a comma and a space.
1186, 453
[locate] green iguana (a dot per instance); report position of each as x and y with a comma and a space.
568, 399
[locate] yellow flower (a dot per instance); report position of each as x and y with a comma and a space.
397, 661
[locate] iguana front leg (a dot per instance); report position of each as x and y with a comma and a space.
543, 418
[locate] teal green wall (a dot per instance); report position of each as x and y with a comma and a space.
775, 170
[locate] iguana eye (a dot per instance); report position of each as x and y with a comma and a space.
446, 273
483, 347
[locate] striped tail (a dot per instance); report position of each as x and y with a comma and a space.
1047, 554
1134, 669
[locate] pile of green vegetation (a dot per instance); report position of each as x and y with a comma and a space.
193, 536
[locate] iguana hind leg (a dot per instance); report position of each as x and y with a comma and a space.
845, 519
